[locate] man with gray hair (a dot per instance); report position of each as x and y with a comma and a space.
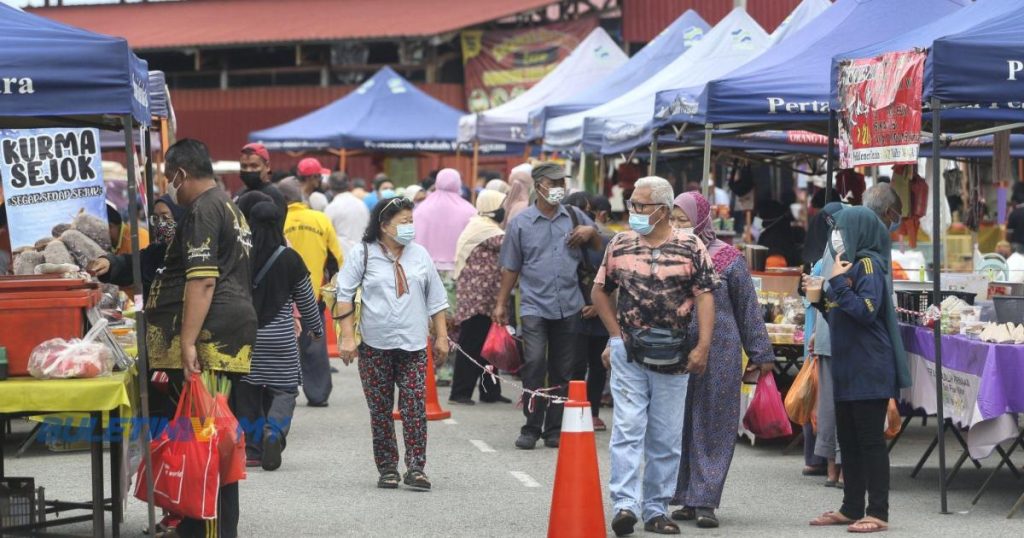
662, 277
886, 203
347, 212
542, 249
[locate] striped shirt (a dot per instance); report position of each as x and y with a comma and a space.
275, 359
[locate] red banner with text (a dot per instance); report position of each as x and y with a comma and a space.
880, 109
502, 64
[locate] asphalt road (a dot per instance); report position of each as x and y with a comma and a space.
483, 486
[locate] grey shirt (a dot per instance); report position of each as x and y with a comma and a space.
535, 247
388, 321
822, 340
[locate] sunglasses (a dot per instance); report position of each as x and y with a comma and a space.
399, 202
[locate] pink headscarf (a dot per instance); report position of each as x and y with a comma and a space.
440, 219
698, 211
518, 198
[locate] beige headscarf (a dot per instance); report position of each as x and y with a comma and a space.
480, 228
519, 196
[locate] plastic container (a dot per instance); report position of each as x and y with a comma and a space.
33, 310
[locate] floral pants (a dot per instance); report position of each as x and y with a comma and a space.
380, 371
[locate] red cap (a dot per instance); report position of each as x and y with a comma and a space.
258, 149
309, 166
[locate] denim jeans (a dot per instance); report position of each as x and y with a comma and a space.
647, 431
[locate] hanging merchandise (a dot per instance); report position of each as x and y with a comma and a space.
850, 185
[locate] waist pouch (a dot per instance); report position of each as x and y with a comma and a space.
661, 348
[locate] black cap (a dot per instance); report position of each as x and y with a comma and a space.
548, 171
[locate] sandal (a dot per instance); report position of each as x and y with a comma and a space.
831, 518
868, 524
389, 479
685, 513
706, 518
417, 480
661, 525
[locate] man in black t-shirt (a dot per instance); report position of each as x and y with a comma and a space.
199, 313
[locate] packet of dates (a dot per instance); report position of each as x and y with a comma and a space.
59, 359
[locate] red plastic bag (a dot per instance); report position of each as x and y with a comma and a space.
61, 359
766, 417
186, 463
500, 349
231, 442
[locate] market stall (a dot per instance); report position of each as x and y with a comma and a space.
66, 83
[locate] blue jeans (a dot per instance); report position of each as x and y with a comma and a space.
647, 430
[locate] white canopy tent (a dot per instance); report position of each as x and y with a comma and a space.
596, 57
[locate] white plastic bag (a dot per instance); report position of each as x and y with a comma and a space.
59, 359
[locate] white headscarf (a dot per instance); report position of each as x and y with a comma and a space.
480, 228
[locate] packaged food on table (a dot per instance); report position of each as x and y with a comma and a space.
59, 359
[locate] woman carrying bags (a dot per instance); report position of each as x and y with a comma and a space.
713, 398
402, 292
280, 281
477, 279
868, 365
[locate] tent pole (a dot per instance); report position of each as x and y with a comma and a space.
652, 167
601, 174
343, 160
148, 144
140, 320
526, 152
830, 163
940, 419
706, 176
474, 170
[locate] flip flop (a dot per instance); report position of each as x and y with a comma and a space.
831, 518
868, 525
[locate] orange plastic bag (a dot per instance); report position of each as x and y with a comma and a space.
803, 394
766, 417
893, 422
231, 442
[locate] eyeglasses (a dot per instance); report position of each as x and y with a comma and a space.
155, 220
655, 255
644, 209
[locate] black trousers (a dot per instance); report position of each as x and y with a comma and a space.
590, 368
467, 376
860, 426
164, 405
548, 360
271, 408
316, 367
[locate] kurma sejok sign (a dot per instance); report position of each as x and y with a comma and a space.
880, 109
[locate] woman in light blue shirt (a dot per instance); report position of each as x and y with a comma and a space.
402, 293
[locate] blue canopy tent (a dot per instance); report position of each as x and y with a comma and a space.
159, 108
54, 75
673, 41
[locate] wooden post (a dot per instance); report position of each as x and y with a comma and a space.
343, 160
526, 155
474, 169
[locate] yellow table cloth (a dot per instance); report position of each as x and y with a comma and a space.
28, 394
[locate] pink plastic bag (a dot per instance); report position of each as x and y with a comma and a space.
500, 349
766, 417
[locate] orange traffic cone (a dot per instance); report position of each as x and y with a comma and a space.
332, 338
577, 509
434, 410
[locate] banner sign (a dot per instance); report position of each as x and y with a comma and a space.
502, 64
880, 109
49, 177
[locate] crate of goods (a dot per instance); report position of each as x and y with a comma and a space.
38, 308
18, 502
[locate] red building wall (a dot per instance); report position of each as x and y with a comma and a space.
643, 19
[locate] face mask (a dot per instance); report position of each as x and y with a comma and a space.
164, 230
895, 226
404, 234
172, 190
642, 224
686, 230
498, 215
252, 180
555, 195
837, 242
387, 194
757, 223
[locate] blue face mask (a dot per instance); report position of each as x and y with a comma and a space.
642, 224
405, 234
387, 194
895, 226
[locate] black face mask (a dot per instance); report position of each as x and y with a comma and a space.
252, 180
499, 214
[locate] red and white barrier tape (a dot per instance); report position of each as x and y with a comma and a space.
533, 394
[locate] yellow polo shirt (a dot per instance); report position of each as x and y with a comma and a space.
312, 235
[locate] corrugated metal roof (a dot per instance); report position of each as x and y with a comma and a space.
644, 19
168, 25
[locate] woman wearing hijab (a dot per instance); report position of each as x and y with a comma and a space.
778, 232
497, 184
477, 279
440, 219
266, 395
868, 365
415, 193
713, 398
117, 268
518, 198
401, 292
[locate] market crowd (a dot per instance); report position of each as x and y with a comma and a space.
658, 315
